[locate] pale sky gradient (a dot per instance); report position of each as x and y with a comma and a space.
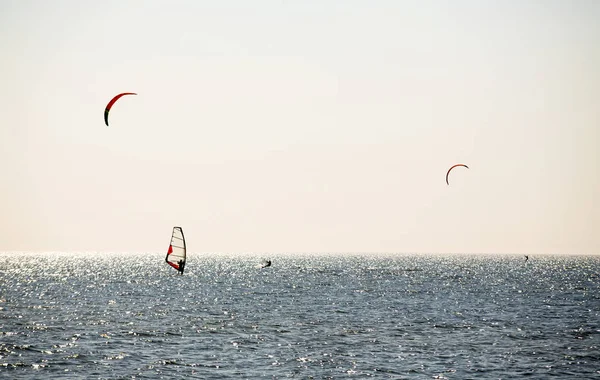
301, 126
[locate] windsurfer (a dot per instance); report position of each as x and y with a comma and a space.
181, 265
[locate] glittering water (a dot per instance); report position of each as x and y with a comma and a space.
442, 317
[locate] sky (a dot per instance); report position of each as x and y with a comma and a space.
301, 126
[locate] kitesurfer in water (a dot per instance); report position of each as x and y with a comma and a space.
181, 264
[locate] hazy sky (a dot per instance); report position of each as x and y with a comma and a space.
301, 126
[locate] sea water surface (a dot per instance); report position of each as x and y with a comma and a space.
124, 316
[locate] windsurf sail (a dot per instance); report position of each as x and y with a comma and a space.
176, 252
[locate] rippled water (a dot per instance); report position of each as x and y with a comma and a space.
443, 317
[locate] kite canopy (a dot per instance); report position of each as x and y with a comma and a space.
110, 104
452, 167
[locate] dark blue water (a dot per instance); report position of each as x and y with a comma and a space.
399, 317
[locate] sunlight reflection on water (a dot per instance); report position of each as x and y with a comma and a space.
105, 316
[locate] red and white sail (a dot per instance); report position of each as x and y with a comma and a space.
176, 252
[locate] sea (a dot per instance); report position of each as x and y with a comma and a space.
307, 316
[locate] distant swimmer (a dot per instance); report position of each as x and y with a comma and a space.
526, 258
267, 264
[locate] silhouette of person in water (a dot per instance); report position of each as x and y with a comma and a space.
526, 258
268, 264
181, 264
